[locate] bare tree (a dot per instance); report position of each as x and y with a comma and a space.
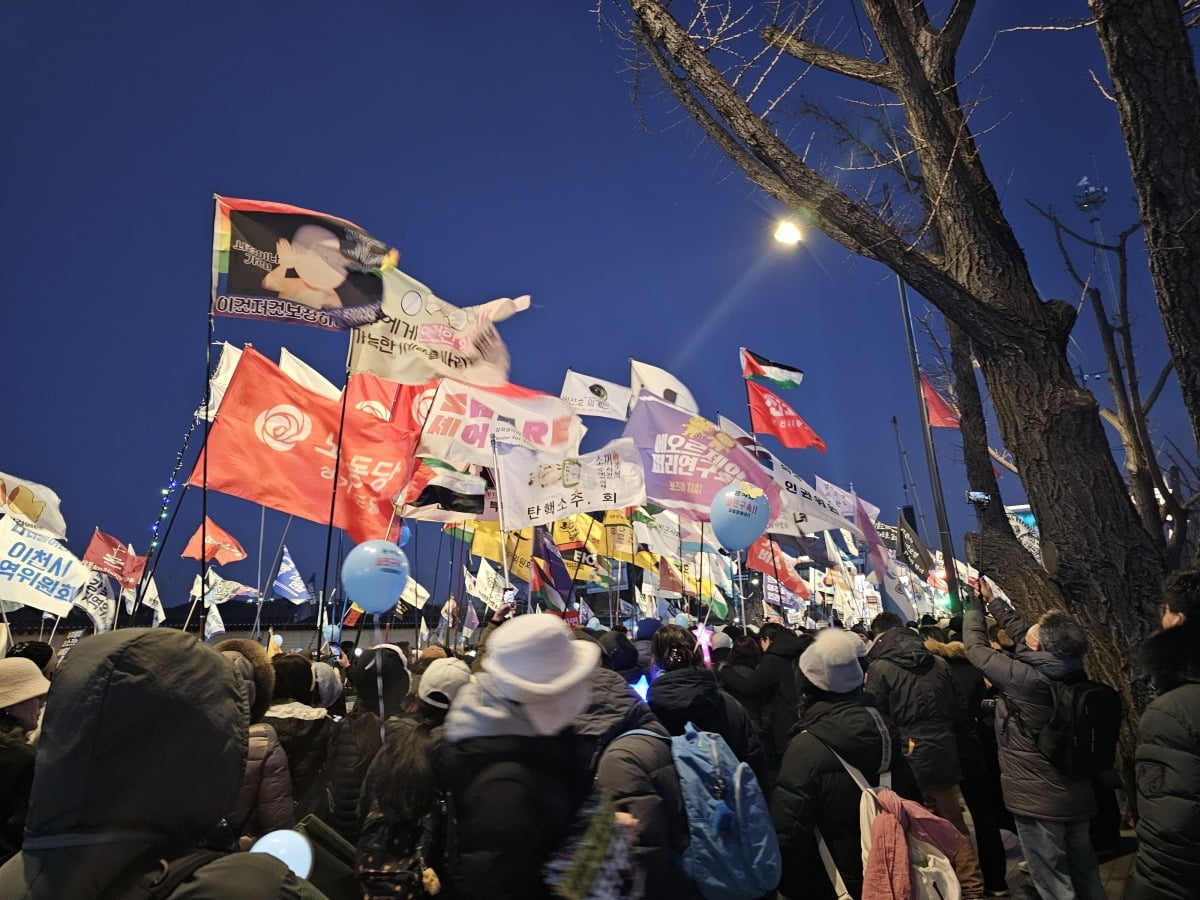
1157, 94
957, 250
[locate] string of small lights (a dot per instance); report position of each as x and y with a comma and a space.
168, 492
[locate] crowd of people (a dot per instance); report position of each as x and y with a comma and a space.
145, 763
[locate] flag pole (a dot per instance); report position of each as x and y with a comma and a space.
935, 480
272, 574
500, 516
337, 469
212, 302
578, 563
909, 481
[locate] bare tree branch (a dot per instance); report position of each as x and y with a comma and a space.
830, 60
1148, 403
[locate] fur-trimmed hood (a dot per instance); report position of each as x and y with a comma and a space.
263, 673
1172, 657
951, 650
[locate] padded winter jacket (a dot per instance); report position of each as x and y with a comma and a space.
814, 791
303, 732
1032, 785
353, 743
917, 694
264, 802
773, 683
969, 696
1168, 771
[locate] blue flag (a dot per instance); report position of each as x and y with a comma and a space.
288, 582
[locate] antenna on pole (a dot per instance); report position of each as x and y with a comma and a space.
908, 480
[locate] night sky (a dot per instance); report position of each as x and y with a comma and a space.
498, 146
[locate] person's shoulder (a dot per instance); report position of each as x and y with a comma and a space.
245, 876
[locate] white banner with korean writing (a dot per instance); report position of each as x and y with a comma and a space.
37, 570
487, 585
536, 489
99, 601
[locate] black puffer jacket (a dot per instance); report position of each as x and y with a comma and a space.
814, 791
16, 779
1168, 771
773, 683
303, 732
353, 743
969, 681
1032, 786
639, 772
691, 695
917, 694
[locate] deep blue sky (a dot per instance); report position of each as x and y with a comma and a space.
498, 147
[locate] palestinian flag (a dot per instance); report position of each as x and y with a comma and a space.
759, 368
437, 485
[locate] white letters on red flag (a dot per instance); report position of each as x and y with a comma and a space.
463, 419
770, 415
108, 555
275, 443
765, 556
219, 544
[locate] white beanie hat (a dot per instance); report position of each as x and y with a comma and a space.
831, 662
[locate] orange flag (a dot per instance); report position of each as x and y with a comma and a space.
941, 414
219, 544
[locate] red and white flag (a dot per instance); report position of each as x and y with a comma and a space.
108, 555
219, 544
766, 556
941, 413
770, 415
276, 443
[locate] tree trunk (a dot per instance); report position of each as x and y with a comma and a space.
1158, 97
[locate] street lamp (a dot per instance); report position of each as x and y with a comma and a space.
788, 232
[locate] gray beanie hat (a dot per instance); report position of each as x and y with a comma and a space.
831, 662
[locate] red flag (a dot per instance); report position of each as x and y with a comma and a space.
219, 544
766, 556
372, 395
669, 577
134, 567
108, 555
770, 415
941, 413
274, 443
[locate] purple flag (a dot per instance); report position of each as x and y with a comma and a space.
687, 459
876, 552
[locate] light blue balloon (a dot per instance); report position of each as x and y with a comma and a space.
374, 575
405, 534
738, 519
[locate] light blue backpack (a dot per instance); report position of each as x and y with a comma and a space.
733, 853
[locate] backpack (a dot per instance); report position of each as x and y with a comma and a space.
163, 880
1080, 738
932, 873
733, 853
404, 863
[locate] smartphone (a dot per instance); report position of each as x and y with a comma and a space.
335, 651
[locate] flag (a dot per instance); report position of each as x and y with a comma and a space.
286, 264
37, 570
538, 488
590, 396
306, 376
548, 569
770, 415
670, 579
372, 395
222, 590
414, 595
941, 413
578, 531
619, 542
759, 368
353, 614
32, 503
486, 585
423, 631
98, 600
150, 600
219, 544
108, 555
844, 501
213, 623
911, 551
470, 620
420, 336
463, 531
766, 556
464, 419
275, 444
660, 383
876, 552
438, 488
486, 540
779, 596
687, 459
289, 583
219, 382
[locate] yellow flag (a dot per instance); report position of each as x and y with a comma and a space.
577, 531
645, 559
485, 542
618, 534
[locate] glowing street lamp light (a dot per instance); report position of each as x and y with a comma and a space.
788, 232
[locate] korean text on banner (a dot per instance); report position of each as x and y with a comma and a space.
590, 396
286, 264
463, 420
537, 489
37, 570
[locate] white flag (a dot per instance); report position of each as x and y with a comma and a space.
414, 594
98, 600
32, 503
230, 357
37, 570
537, 489
590, 396
843, 501
306, 376
213, 623
660, 383
488, 586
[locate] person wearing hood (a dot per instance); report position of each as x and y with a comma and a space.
685, 692
638, 771
1166, 865
143, 746
1051, 810
303, 729
772, 684
264, 803
513, 766
621, 654
813, 790
642, 637
23, 690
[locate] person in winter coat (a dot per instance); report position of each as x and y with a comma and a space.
142, 750
23, 690
1168, 755
986, 813
303, 729
685, 692
621, 654
354, 740
916, 691
1051, 810
642, 636
264, 803
514, 770
773, 683
638, 771
813, 790
744, 658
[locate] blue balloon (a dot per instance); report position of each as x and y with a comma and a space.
405, 534
374, 575
740, 513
